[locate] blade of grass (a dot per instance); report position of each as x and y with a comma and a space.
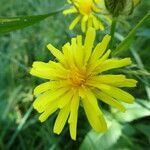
20, 126
139, 63
14, 61
12, 100
125, 44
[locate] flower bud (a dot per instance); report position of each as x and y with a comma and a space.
120, 7
115, 7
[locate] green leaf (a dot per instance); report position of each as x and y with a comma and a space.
144, 32
134, 111
144, 103
15, 23
125, 44
145, 129
20, 126
98, 141
128, 130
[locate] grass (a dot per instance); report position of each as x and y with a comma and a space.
19, 125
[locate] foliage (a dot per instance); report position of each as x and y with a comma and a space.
19, 126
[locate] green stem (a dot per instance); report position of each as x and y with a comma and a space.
125, 44
112, 31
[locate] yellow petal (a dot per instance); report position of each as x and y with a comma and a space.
115, 93
127, 83
73, 129
59, 68
90, 22
46, 70
41, 102
44, 75
84, 23
108, 78
51, 85
65, 99
109, 100
74, 108
74, 22
41, 69
73, 116
95, 8
113, 63
79, 55
95, 23
105, 56
79, 40
42, 88
97, 121
89, 95
114, 80
105, 79
101, 26
55, 52
92, 67
89, 40
70, 10
69, 55
61, 119
100, 48
51, 108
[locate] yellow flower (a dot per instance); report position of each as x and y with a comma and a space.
85, 10
77, 79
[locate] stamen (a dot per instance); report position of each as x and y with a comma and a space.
77, 78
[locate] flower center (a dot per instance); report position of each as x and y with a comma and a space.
84, 6
77, 78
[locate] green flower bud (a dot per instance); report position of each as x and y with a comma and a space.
120, 7
115, 7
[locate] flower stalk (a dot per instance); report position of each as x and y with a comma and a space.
112, 31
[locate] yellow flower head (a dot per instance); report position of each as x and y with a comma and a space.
78, 77
85, 10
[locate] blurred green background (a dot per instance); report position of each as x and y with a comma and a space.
19, 125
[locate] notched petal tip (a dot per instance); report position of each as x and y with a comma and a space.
135, 82
104, 127
41, 119
35, 91
64, 12
57, 53
56, 131
108, 37
128, 61
31, 71
131, 100
73, 138
37, 108
49, 46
